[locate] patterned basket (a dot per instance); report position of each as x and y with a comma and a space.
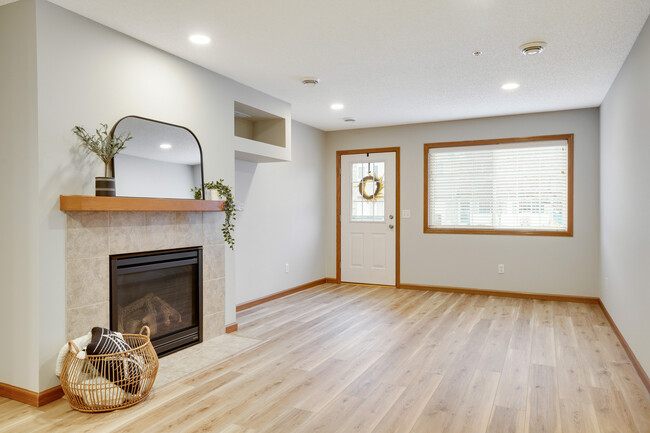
101, 383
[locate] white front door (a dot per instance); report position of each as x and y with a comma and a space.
368, 222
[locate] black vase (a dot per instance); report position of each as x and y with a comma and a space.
105, 186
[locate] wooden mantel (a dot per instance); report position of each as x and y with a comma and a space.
137, 204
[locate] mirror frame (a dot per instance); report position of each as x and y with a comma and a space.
112, 134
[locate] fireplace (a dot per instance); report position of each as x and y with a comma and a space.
160, 289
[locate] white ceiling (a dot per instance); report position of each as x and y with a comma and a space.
395, 61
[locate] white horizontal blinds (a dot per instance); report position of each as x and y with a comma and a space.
520, 186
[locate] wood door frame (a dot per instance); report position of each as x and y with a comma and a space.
340, 153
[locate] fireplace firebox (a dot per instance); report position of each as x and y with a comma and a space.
160, 289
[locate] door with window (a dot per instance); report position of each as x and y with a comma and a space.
368, 218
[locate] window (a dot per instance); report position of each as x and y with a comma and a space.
367, 192
515, 186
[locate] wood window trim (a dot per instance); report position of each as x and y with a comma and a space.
340, 153
473, 231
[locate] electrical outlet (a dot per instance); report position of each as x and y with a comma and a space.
501, 269
286, 268
406, 213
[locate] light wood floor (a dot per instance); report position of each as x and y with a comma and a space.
363, 359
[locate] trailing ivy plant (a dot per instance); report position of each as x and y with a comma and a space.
102, 143
228, 225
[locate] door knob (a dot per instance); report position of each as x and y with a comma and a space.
390, 226
390, 217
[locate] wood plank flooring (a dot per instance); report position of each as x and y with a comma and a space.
341, 358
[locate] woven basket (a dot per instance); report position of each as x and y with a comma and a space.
101, 383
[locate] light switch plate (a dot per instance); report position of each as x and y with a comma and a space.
406, 213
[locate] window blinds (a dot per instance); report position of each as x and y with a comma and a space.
509, 186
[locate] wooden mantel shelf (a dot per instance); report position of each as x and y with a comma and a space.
137, 204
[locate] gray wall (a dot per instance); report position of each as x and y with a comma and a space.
282, 219
557, 265
625, 199
19, 196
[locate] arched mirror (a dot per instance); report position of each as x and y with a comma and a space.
161, 161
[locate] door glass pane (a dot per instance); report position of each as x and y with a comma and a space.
367, 198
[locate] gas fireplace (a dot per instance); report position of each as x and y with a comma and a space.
160, 289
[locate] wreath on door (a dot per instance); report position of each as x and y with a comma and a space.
378, 187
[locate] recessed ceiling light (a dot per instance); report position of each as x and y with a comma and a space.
510, 86
337, 106
200, 39
310, 81
165, 146
532, 48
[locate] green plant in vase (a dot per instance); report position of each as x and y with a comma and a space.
105, 147
229, 208
198, 193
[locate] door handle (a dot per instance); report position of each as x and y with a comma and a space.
390, 217
390, 226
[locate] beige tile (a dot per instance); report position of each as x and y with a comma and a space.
213, 325
213, 295
126, 232
175, 366
87, 234
80, 321
84, 220
212, 223
160, 230
189, 229
87, 281
213, 262
220, 261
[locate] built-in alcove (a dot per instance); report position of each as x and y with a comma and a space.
258, 125
260, 136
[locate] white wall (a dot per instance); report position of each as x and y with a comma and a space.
19, 197
282, 219
89, 74
625, 199
556, 265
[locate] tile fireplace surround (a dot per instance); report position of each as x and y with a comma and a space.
92, 236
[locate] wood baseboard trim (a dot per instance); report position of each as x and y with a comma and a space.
31, 398
231, 327
331, 281
258, 301
635, 362
524, 295
368, 285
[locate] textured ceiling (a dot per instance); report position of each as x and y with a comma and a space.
395, 61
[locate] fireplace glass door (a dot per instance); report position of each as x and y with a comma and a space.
161, 290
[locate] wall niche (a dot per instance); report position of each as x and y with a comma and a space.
260, 136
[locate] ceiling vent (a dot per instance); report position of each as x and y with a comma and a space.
311, 81
532, 48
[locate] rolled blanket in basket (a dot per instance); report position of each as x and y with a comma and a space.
80, 342
101, 393
123, 370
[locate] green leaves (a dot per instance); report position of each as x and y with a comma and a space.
198, 193
228, 226
102, 144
